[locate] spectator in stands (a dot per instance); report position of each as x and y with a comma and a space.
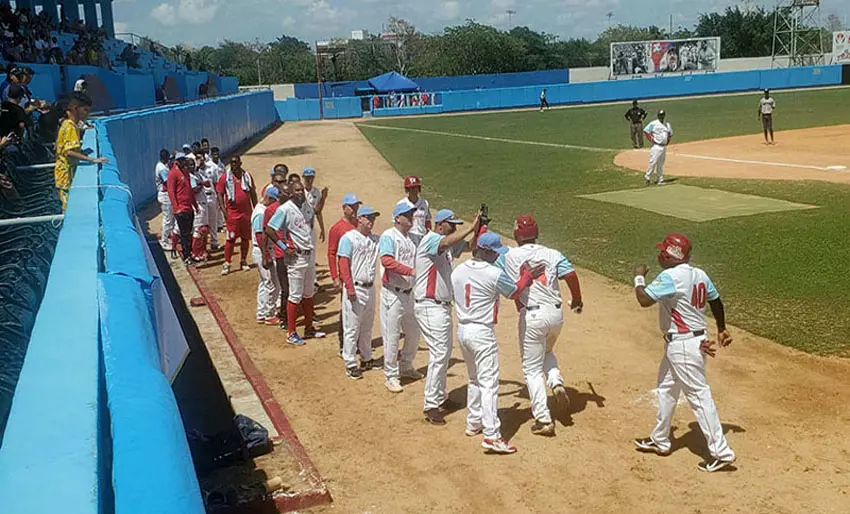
14, 120
14, 75
69, 147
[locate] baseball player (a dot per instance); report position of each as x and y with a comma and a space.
422, 213
316, 198
433, 303
210, 172
301, 271
541, 318
358, 257
268, 290
200, 226
161, 179
766, 108
543, 101
276, 258
215, 157
350, 204
660, 133
183, 203
635, 117
282, 169
682, 291
237, 193
398, 253
476, 286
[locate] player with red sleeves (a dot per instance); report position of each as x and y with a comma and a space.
236, 191
350, 204
183, 203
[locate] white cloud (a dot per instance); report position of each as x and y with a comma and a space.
448, 10
194, 12
289, 22
121, 27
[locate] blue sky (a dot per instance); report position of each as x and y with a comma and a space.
200, 22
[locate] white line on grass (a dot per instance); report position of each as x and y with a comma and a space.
495, 139
762, 163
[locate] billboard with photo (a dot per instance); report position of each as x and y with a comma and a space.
670, 56
841, 47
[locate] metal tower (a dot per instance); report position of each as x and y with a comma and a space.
797, 38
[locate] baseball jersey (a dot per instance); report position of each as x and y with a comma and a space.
420, 216
544, 289
308, 212
681, 293
400, 247
476, 286
210, 171
257, 218
290, 219
313, 196
660, 132
433, 269
160, 177
362, 251
767, 105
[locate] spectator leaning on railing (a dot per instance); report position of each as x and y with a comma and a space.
69, 147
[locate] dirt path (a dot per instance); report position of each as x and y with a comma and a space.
808, 154
786, 413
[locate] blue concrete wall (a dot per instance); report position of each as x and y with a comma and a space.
47, 82
460, 82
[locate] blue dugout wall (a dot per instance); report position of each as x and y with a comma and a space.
93, 414
587, 92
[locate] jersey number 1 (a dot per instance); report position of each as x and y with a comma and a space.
698, 295
468, 290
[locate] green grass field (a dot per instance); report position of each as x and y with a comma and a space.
783, 275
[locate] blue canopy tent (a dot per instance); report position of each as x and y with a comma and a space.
393, 82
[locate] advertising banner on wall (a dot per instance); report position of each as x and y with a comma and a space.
672, 56
841, 47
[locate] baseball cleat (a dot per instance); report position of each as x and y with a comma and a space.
714, 465
261, 321
472, 432
450, 406
648, 182
354, 373
370, 364
312, 333
411, 374
295, 340
661, 183
648, 445
435, 417
274, 320
544, 429
561, 398
244, 266
225, 270
498, 446
393, 385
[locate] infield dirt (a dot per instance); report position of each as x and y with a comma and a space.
785, 413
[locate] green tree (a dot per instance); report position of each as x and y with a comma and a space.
742, 34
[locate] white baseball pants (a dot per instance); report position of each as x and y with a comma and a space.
201, 219
357, 320
538, 332
683, 369
481, 353
168, 223
397, 316
214, 218
435, 322
301, 273
268, 290
657, 156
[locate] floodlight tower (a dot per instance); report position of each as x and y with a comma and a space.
797, 33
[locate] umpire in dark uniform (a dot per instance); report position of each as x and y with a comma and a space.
636, 116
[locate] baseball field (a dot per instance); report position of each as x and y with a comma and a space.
776, 249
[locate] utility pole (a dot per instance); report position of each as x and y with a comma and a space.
511, 13
610, 15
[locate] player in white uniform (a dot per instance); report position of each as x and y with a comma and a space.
541, 318
682, 291
358, 258
766, 107
301, 272
316, 198
476, 286
215, 157
200, 224
160, 179
268, 290
211, 171
398, 253
422, 213
659, 133
433, 303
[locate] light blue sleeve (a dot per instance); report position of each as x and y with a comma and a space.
648, 127
432, 244
505, 285
278, 219
711, 291
564, 267
386, 246
345, 248
662, 287
501, 263
257, 223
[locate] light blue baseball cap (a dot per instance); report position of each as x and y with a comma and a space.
491, 241
186, 146
365, 210
179, 155
272, 192
309, 172
350, 199
445, 215
403, 208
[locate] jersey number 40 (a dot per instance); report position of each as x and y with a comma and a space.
698, 296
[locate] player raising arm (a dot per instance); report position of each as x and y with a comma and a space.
682, 291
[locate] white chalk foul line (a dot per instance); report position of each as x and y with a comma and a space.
494, 139
762, 163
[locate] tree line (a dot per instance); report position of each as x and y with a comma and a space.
468, 49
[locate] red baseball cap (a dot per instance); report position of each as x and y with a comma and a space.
412, 181
525, 227
676, 247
